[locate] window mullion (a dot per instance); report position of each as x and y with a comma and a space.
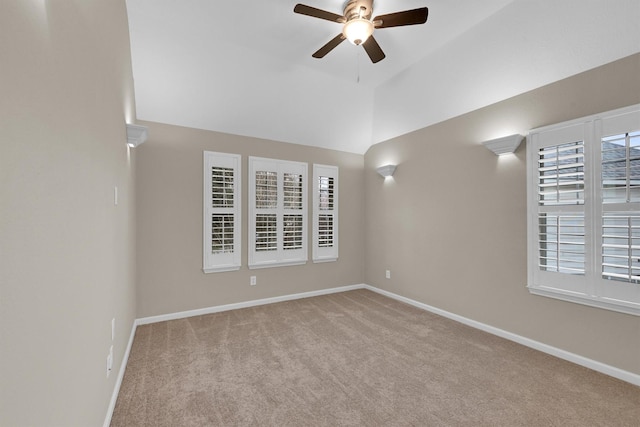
629, 248
591, 208
627, 167
557, 173
280, 212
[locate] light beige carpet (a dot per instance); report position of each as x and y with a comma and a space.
354, 359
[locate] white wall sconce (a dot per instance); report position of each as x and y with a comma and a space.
505, 145
136, 135
386, 170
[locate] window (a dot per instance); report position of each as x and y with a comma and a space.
584, 210
221, 212
277, 212
325, 213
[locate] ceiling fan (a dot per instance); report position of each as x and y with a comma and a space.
358, 25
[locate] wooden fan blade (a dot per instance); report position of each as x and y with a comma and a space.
320, 53
318, 13
398, 19
373, 49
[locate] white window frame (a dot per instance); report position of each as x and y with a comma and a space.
279, 256
323, 252
230, 260
590, 288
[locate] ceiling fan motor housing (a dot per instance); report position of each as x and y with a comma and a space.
358, 9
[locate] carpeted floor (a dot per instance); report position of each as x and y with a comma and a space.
354, 359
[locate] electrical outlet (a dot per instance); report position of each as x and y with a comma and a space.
387, 274
113, 329
252, 282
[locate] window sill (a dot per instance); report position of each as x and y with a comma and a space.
276, 264
604, 303
221, 269
321, 260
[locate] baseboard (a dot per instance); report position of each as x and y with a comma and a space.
123, 367
612, 371
244, 304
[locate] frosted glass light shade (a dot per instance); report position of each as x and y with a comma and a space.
386, 170
358, 30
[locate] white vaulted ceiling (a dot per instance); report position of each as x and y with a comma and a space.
245, 66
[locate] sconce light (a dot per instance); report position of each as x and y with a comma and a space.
386, 170
136, 135
506, 145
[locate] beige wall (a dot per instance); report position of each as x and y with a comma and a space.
169, 234
67, 254
451, 225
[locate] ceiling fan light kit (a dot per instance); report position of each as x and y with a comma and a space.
358, 27
358, 30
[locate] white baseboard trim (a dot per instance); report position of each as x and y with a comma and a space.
123, 367
245, 304
612, 371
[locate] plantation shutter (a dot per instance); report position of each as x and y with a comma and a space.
325, 213
620, 184
277, 217
584, 210
292, 211
561, 236
266, 204
561, 242
221, 239
618, 218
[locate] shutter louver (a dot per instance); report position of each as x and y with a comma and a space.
266, 232
325, 231
621, 247
222, 187
222, 229
561, 243
266, 189
561, 174
292, 236
292, 191
325, 188
621, 168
